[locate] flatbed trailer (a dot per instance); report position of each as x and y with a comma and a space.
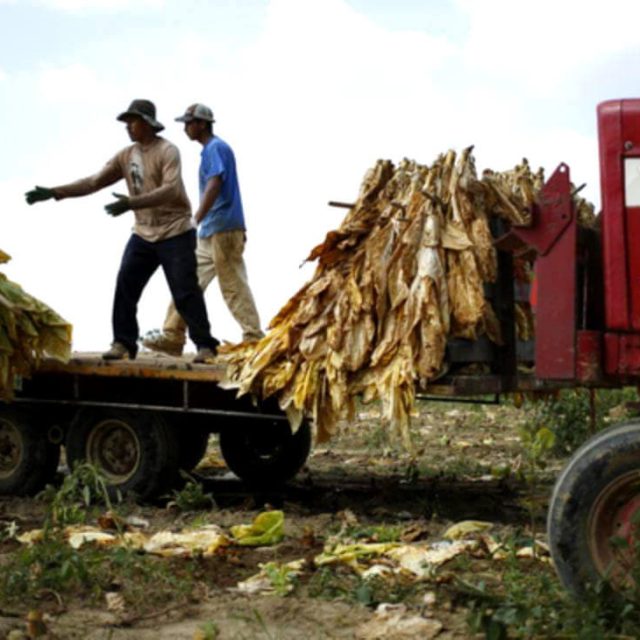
140, 421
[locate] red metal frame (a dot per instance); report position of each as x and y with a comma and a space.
553, 234
589, 356
622, 354
619, 138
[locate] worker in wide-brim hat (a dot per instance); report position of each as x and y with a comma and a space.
144, 109
163, 232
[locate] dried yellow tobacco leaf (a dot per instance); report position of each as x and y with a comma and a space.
29, 330
404, 272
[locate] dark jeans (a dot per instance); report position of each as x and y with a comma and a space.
177, 258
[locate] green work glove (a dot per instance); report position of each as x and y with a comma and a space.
39, 194
119, 206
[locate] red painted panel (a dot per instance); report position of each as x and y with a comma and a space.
631, 126
629, 355
619, 138
589, 356
632, 218
613, 224
611, 353
556, 275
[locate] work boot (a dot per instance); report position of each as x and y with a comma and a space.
204, 355
119, 352
252, 336
162, 343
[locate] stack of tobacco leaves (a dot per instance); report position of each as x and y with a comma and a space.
29, 330
403, 273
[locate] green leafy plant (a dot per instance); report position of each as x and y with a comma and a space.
207, 631
192, 496
50, 564
83, 488
375, 533
339, 582
573, 415
282, 578
527, 601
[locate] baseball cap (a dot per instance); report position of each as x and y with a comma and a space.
146, 110
196, 111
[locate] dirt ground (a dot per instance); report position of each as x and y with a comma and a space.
361, 488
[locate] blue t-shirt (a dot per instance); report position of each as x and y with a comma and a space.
217, 159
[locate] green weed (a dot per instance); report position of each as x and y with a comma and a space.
48, 565
529, 602
51, 565
192, 496
339, 582
573, 415
282, 579
71, 503
207, 631
256, 619
374, 533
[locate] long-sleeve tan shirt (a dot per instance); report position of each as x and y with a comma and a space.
156, 191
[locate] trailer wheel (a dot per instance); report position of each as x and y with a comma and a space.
192, 448
192, 441
136, 452
27, 459
260, 452
594, 514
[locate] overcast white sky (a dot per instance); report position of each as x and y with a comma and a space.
309, 93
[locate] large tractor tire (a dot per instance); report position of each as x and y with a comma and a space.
265, 453
594, 516
28, 461
135, 451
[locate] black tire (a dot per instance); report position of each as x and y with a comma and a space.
265, 453
594, 506
191, 438
28, 461
135, 451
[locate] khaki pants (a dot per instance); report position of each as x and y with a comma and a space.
221, 255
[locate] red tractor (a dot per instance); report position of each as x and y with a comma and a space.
588, 334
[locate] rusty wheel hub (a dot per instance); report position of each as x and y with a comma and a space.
614, 529
10, 448
114, 447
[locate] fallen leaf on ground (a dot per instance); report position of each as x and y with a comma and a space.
392, 621
351, 554
465, 528
115, 602
420, 559
205, 540
266, 529
83, 535
273, 578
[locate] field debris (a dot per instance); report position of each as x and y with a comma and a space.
29, 331
266, 529
394, 621
207, 540
273, 578
463, 529
403, 273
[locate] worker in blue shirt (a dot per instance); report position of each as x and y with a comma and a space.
221, 235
